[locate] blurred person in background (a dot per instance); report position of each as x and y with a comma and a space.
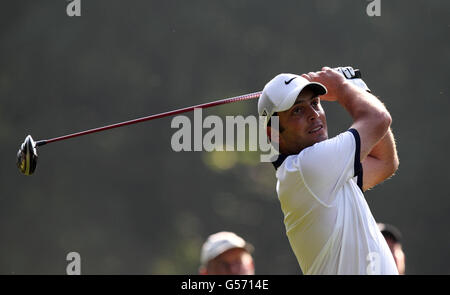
393, 238
225, 253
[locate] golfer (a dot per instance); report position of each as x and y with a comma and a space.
321, 180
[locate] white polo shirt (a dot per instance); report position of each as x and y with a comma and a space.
328, 222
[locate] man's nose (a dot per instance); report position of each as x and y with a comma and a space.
312, 113
235, 268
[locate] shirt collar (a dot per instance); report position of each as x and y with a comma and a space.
279, 161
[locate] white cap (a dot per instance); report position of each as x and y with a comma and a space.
280, 93
220, 242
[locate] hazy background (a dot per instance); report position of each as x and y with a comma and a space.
129, 204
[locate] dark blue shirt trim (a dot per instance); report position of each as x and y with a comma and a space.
358, 166
279, 161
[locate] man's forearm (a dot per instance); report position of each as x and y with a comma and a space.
370, 118
386, 150
360, 104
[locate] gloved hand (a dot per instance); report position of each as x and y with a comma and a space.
354, 76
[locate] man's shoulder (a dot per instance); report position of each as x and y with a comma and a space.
319, 152
324, 145
321, 157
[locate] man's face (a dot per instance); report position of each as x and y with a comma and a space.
303, 125
235, 261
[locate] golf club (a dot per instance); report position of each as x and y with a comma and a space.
27, 155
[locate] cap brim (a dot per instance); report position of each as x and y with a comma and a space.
290, 99
318, 88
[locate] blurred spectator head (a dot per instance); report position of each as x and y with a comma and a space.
393, 238
225, 253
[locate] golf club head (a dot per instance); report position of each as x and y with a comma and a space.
27, 156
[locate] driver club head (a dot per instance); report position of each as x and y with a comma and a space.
27, 156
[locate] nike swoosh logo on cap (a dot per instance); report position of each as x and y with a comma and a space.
289, 81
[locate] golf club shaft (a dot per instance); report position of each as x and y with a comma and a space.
161, 115
152, 117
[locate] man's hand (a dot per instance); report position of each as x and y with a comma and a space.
350, 74
333, 81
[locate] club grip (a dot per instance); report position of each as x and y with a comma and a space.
357, 73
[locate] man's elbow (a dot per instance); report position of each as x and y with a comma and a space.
380, 122
393, 167
385, 120
396, 164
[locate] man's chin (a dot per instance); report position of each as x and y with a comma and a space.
322, 138
319, 137
316, 139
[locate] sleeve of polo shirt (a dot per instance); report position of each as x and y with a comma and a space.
327, 165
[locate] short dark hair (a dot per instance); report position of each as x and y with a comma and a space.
279, 126
391, 232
